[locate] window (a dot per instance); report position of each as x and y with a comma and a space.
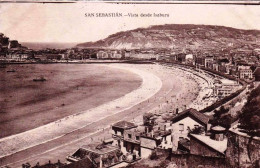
181, 127
129, 136
137, 138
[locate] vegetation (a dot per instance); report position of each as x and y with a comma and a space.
153, 156
221, 118
197, 130
250, 118
220, 112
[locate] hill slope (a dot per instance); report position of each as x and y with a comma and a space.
179, 36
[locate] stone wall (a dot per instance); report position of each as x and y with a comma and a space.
198, 148
196, 161
242, 151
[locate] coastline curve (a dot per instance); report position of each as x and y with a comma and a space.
151, 84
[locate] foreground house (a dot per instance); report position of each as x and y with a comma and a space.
209, 146
155, 139
118, 132
202, 150
186, 121
101, 155
131, 142
141, 141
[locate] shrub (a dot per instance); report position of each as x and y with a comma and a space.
153, 156
197, 130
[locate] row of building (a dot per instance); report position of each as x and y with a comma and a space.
239, 69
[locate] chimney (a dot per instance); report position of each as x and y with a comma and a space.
175, 140
146, 130
208, 126
218, 133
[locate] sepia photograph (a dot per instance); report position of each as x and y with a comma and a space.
129, 84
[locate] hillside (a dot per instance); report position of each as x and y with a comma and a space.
5, 43
176, 36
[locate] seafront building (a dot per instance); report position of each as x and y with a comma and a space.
245, 72
225, 87
101, 155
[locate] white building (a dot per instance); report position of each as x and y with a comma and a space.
157, 138
225, 87
186, 121
245, 72
118, 133
17, 56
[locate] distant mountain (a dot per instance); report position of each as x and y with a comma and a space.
180, 36
42, 45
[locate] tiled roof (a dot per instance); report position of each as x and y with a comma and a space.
124, 125
191, 112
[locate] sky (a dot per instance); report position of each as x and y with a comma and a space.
66, 22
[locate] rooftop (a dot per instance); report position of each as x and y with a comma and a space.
99, 148
227, 81
194, 113
156, 134
219, 146
124, 125
218, 128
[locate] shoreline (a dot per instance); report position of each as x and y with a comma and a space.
173, 90
74, 122
69, 89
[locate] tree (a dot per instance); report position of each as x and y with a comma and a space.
197, 130
249, 119
220, 112
222, 118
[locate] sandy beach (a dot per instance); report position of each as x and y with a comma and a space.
163, 88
